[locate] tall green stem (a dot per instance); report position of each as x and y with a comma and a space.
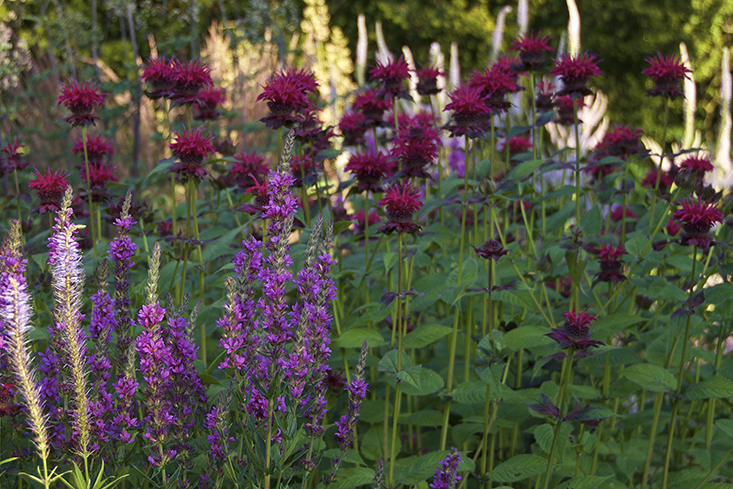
662, 143
568, 378
89, 189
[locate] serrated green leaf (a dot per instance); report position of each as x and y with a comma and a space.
546, 432
612, 324
527, 337
426, 417
356, 337
591, 221
430, 382
425, 335
519, 468
651, 377
389, 260
469, 274
713, 388
524, 169
411, 375
389, 362
726, 425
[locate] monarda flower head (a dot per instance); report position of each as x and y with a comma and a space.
545, 96
98, 148
575, 332
248, 168
191, 148
575, 72
81, 99
470, 112
159, 73
188, 79
100, 174
392, 75
311, 133
416, 145
371, 106
665, 181
491, 250
611, 264
369, 167
207, 103
692, 171
50, 189
353, 128
493, 86
697, 218
427, 80
565, 113
11, 159
400, 203
517, 145
667, 73
621, 142
531, 50
286, 94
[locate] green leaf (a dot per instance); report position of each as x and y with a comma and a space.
163, 166
519, 468
726, 425
527, 337
584, 482
611, 324
546, 432
469, 274
356, 337
637, 244
353, 477
421, 468
713, 388
411, 375
388, 363
425, 335
651, 377
389, 260
350, 456
525, 169
430, 383
470, 393
426, 417
591, 221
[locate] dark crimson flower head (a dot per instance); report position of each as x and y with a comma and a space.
359, 218
575, 72
611, 264
493, 86
545, 96
564, 105
392, 75
491, 250
98, 147
286, 92
400, 203
207, 103
159, 73
511, 65
665, 181
100, 174
249, 167
353, 127
191, 148
369, 167
531, 50
188, 79
618, 211
311, 132
517, 145
416, 144
50, 188
698, 165
470, 112
11, 159
80, 99
621, 142
667, 73
427, 80
371, 106
261, 197
575, 332
697, 218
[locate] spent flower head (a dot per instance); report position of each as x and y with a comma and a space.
491, 250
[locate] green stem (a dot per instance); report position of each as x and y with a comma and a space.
661, 159
568, 378
89, 189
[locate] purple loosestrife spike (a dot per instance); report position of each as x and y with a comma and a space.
378, 482
15, 313
447, 476
68, 288
122, 250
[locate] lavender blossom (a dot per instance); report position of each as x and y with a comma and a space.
15, 313
68, 286
447, 476
357, 392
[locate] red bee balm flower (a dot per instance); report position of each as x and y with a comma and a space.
261, 197
160, 74
517, 145
611, 263
575, 73
470, 112
667, 72
492, 249
697, 165
100, 174
427, 80
11, 159
493, 86
392, 75
80, 99
544, 98
531, 50
697, 218
248, 167
353, 127
665, 181
575, 332
371, 106
369, 167
400, 203
207, 102
564, 105
287, 92
191, 148
50, 189
98, 148
188, 79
